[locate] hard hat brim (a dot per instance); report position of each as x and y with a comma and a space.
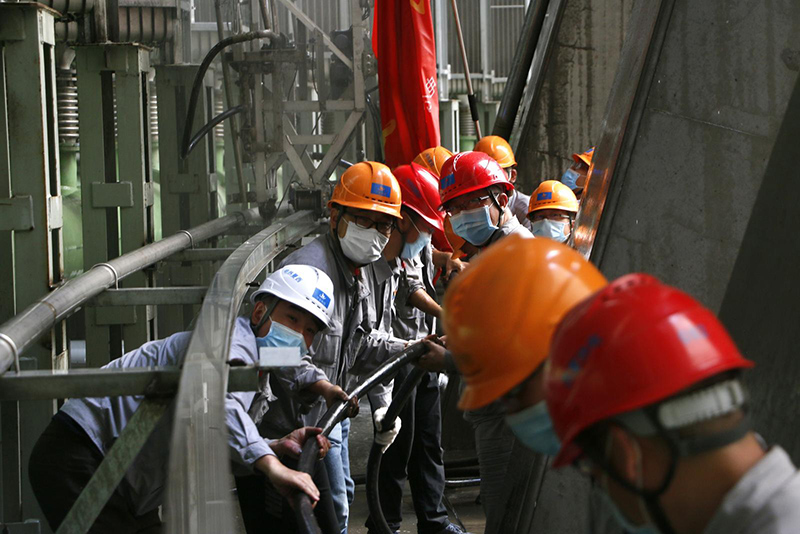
369, 206
313, 310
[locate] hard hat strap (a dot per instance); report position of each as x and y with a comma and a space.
266, 316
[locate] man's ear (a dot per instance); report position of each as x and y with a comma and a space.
623, 454
512, 175
334, 218
258, 312
404, 223
502, 199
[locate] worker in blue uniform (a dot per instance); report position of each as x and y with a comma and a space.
80, 435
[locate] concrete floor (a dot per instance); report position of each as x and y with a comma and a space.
464, 500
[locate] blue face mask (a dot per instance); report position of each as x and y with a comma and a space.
534, 429
412, 250
282, 336
554, 230
474, 225
570, 178
619, 517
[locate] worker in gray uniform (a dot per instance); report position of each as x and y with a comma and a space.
79, 436
672, 448
365, 206
474, 192
416, 455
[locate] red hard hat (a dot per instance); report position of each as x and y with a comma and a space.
470, 171
632, 344
420, 192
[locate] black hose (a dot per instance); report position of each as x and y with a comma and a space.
201, 72
376, 452
306, 521
211, 124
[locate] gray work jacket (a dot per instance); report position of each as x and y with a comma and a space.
103, 418
414, 275
518, 203
766, 500
357, 341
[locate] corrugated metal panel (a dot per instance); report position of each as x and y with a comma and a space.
505, 17
470, 13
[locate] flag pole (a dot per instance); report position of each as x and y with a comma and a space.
473, 103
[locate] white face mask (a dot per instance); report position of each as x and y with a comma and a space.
555, 230
362, 245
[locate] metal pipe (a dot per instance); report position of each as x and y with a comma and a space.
473, 104
35, 320
521, 67
206, 129
201, 72
335, 414
226, 78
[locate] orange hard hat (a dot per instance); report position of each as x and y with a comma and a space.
585, 157
455, 240
498, 148
368, 185
500, 314
553, 195
433, 159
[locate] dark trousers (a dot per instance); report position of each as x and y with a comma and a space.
416, 455
62, 462
265, 510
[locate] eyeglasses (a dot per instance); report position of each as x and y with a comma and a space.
384, 228
536, 216
477, 202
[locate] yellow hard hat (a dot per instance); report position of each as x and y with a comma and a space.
368, 185
498, 148
500, 314
433, 159
553, 195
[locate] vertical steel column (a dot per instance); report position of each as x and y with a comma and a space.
116, 184
188, 186
30, 222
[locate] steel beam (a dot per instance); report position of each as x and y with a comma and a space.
31, 262
150, 296
106, 382
202, 254
115, 158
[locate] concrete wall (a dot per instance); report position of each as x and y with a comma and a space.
574, 95
719, 92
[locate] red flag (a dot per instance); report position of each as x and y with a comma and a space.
406, 51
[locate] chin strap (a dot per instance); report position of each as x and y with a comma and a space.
264, 318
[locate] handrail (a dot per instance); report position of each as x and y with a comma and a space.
18, 333
198, 496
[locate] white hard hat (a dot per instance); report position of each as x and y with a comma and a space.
302, 285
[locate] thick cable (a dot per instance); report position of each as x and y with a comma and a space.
201, 72
304, 512
404, 393
211, 124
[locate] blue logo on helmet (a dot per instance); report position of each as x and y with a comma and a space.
293, 275
575, 365
447, 181
322, 298
544, 196
381, 190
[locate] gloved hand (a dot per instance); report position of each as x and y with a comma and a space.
385, 437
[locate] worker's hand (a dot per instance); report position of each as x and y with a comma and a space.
453, 266
288, 480
433, 360
385, 437
332, 393
292, 443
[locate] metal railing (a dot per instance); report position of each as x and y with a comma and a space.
198, 491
